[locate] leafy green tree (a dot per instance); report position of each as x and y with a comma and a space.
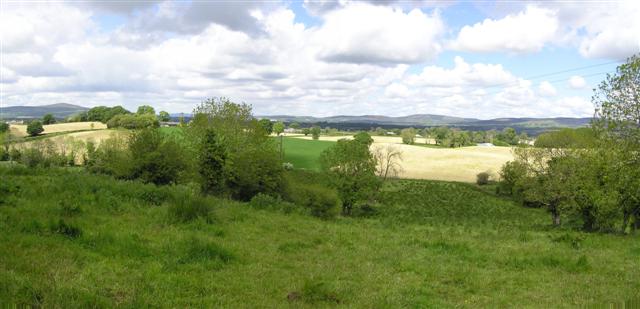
212, 160
315, 132
351, 168
35, 128
408, 136
103, 113
48, 119
164, 116
568, 138
306, 131
4, 127
278, 127
267, 125
133, 121
294, 126
253, 165
363, 138
145, 109
509, 136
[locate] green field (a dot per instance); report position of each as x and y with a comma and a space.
304, 153
72, 239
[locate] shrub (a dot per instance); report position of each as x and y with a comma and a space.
32, 157
189, 208
35, 128
482, 178
4, 127
155, 158
511, 176
320, 201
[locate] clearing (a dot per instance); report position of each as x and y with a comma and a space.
20, 130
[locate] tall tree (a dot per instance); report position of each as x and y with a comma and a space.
48, 119
164, 116
145, 109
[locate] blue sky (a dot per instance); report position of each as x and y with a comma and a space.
472, 59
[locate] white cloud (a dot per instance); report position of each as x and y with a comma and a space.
527, 31
396, 90
546, 89
363, 33
577, 82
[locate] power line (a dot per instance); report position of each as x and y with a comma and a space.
555, 73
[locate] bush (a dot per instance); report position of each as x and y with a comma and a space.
482, 178
34, 128
155, 158
4, 127
189, 208
511, 176
320, 201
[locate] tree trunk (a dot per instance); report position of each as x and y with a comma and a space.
555, 215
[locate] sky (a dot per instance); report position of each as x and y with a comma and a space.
479, 59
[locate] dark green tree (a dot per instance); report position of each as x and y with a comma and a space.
164, 116
35, 128
48, 119
212, 158
145, 109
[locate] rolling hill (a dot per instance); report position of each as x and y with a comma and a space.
59, 110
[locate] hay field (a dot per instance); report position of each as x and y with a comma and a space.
21, 129
376, 139
448, 164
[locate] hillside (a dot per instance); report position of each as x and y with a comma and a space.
84, 240
418, 120
59, 110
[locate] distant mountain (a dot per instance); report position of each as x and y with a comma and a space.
59, 110
437, 120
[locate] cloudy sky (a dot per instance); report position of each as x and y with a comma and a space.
462, 58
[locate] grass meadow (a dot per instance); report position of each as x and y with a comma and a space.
304, 154
73, 239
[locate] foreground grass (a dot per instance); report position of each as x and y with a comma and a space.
71, 239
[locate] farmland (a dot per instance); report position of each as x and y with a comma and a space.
419, 162
21, 130
86, 240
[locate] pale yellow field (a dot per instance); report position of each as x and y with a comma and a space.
449, 164
21, 129
376, 139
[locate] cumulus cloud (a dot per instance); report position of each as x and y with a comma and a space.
546, 89
361, 59
363, 33
527, 31
577, 82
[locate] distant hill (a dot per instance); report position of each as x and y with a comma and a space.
59, 110
437, 120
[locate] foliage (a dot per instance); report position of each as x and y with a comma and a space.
482, 178
306, 131
567, 138
4, 127
212, 159
104, 113
352, 170
253, 164
155, 158
408, 136
315, 132
48, 119
267, 125
164, 116
145, 110
133, 121
34, 128
278, 127
294, 126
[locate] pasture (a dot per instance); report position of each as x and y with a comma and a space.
304, 153
20, 130
79, 240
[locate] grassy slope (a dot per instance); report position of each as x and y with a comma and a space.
304, 153
434, 244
